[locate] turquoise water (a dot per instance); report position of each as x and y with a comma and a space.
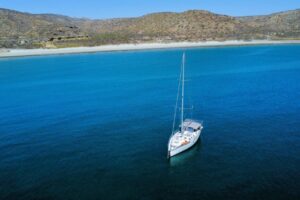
96, 126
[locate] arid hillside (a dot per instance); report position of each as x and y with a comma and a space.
25, 30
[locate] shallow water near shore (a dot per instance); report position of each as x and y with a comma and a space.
96, 126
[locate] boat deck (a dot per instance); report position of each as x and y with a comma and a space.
191, 128
180, 139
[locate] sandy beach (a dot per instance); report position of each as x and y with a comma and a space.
142, 46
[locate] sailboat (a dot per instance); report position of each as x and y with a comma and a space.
190, 129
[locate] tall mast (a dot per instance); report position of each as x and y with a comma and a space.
182, 92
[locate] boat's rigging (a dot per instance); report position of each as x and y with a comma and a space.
181, 81
182, 93
177, 98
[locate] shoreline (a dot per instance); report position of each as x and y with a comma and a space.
6, 53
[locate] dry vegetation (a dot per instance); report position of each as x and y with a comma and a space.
24, 30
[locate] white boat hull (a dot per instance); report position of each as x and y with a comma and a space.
173, 152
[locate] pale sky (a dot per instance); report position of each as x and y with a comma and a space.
98, 9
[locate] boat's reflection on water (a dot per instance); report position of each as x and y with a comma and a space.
187, 155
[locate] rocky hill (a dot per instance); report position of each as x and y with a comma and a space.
25, 30
277, 25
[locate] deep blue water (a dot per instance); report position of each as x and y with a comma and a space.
96, 126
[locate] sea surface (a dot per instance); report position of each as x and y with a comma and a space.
96, 126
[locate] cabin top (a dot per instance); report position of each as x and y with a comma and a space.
189, 123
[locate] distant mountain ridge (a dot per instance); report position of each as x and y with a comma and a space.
25, 30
